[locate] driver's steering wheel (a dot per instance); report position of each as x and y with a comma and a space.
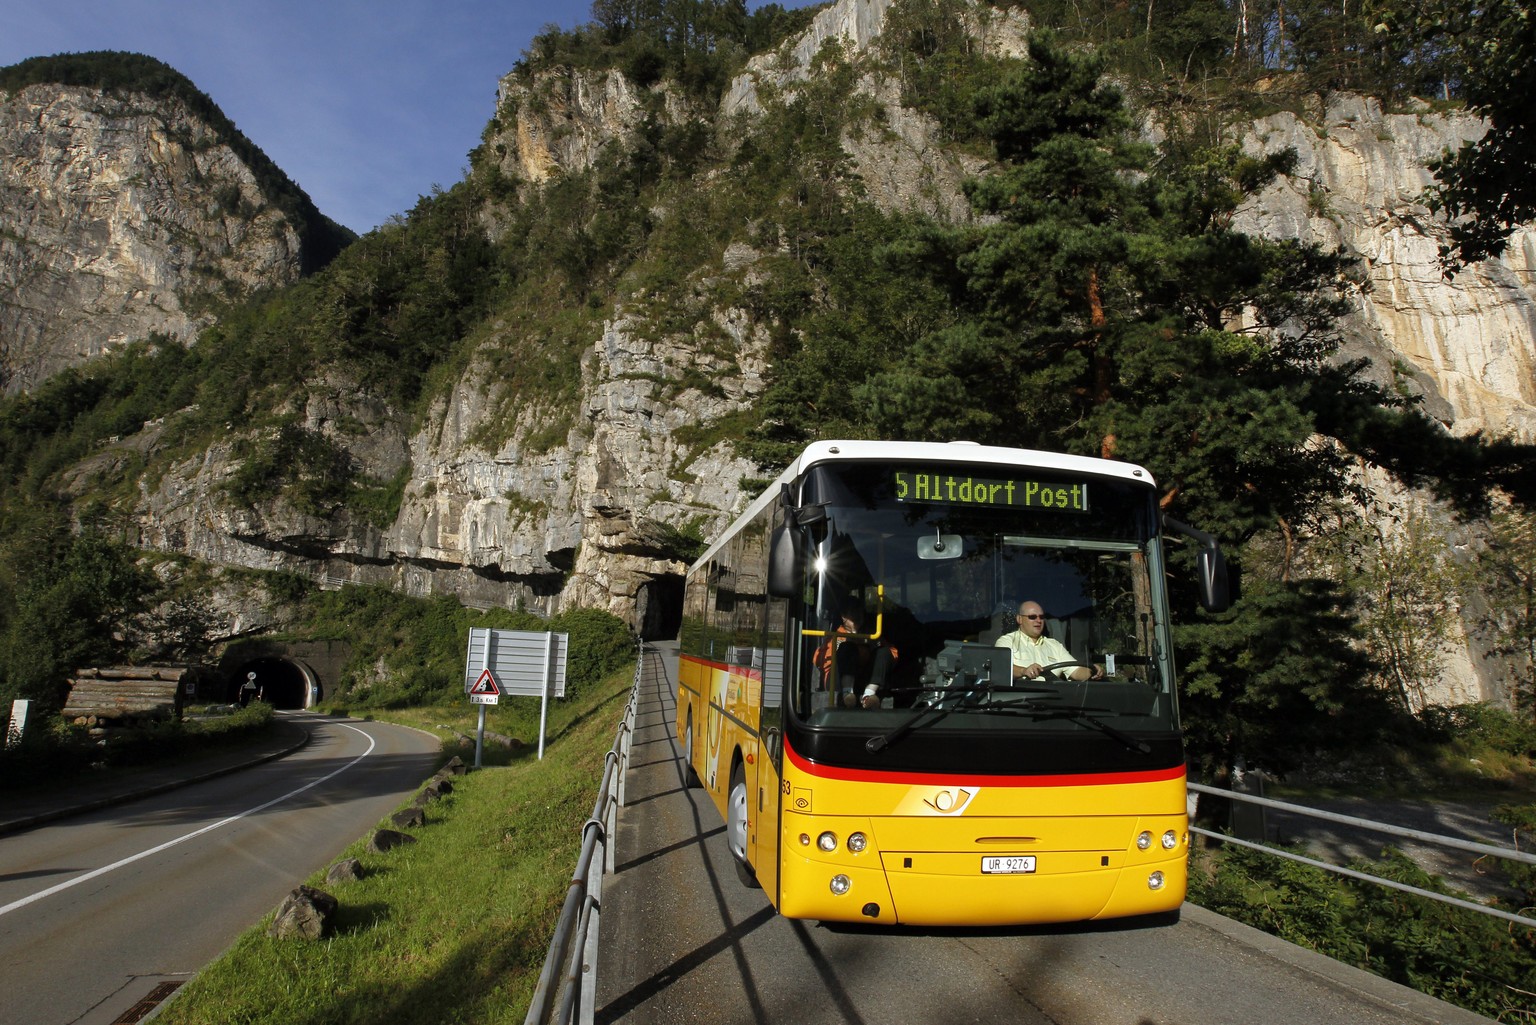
1045, 671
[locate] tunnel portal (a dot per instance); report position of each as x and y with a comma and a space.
280, 682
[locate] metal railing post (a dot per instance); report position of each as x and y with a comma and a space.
1472, 846
576, 939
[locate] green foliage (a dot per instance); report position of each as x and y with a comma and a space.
54, 757
1523, 818
409, 652
1276, 679
311, 470
1407, 582
1460, 956
1507, 570
696, 44
131, 73
1480, 723
599, 644
939, 65
1486, 52
66, 600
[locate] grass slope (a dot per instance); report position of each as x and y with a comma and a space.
455, 927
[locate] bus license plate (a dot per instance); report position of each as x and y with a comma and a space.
1007, 865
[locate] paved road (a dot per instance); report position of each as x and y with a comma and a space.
682, 941
99, 908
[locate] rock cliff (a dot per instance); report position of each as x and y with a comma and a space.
592, 518
122, 217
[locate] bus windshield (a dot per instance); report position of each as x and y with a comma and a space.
921, 572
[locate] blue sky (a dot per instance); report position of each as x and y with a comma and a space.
365, 103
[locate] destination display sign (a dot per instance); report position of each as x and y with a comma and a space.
1014, 493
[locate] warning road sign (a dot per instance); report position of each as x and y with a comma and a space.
486, 691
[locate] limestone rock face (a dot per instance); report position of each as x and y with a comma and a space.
117, 216
1359, 183
561, 123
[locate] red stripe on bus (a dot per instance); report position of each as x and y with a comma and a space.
1090, 779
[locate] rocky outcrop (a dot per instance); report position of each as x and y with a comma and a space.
1470, 341
121, 217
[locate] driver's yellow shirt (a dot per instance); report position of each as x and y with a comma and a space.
1028, 650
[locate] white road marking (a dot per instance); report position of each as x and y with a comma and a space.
77, 880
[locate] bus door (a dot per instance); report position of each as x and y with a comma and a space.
770, 758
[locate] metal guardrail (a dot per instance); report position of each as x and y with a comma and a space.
1455, 843
574, 945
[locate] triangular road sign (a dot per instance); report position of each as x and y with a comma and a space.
486, 684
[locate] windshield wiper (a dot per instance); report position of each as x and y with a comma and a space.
1080, 715
942, 705
885, 740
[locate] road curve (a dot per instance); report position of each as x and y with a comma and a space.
683, 941
97, 909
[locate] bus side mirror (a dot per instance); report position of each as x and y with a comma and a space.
1215, 587
785, 559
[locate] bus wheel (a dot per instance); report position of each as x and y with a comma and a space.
690, 778
736, 827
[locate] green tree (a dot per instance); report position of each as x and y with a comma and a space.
1408, 583
1508, 573
1488, 53
71, 602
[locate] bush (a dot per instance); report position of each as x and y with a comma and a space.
599, 644
409, 652
54, 750
1480, 723
1463, 957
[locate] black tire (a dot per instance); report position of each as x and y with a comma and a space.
691, 779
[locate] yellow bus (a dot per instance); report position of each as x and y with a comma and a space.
848, 693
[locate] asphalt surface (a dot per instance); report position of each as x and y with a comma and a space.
120, 885
20, 811
683, 941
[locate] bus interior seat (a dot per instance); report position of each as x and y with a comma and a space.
1002, 622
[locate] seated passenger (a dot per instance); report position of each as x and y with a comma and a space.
847, 662
1033, 651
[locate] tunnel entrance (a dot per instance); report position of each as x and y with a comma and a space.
659, 607
281, 683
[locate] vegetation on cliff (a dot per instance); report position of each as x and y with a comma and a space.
1100, 302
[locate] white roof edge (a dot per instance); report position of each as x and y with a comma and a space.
927, 451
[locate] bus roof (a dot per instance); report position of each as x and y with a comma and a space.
925, 451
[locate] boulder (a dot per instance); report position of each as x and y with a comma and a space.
345, 871
306, 913
409, 818
433, 791
388, 839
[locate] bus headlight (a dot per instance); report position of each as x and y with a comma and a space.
827, 841
840, 884
857, 842
1170, 840
1143, 840
1155, 881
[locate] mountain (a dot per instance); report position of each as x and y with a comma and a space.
131, 206
530, 391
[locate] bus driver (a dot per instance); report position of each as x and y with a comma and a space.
1033, 651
